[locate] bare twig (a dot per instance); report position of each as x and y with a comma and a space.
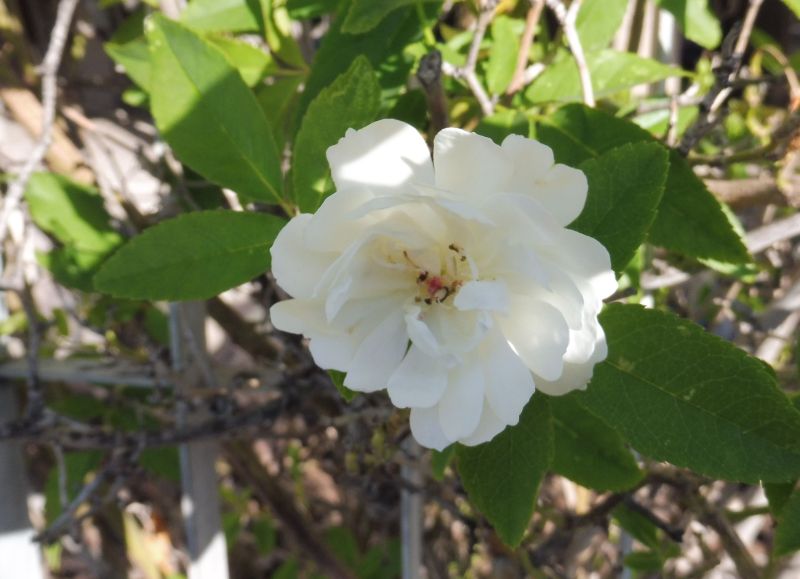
531, 22
115, 468
726, 75
567, 20
49, 69
467, 72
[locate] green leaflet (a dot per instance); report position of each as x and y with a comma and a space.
351, 102
589, 451
698, 22
611, 72
688, 397
598, 22
502, 476
194, 256
689, 219
75, 215
625, 187
207, 114
503, 56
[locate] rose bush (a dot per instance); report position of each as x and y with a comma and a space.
454, 284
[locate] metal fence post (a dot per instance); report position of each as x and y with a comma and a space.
19, 555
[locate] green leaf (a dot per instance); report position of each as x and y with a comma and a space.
690, 220
277, 101
698, 22
337, 378
72, 213
598, 22
277, 33
680, 394
503, 56
207, 114
778, 495
307, 9
128, 48
625, 187
351, 102
383, 46
224, 15
647, 561
794, 6
640, 528
364, 15
440, 460
76, 217
588, 451
787, 533
502, 123
252, 63
502, 476
194, 256
611, 72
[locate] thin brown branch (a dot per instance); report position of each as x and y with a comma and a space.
429, 75
528, 35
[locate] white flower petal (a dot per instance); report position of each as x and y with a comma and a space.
382, 157
509, 382
333, 227
563, 192
419, 381
469, 164
419, 332
333, 351
298, 316
426, 429
539, 335
379, 355
458, 332
289, 251
532, 160
482, 295
584, 258
576, 375
489, 427
462, 403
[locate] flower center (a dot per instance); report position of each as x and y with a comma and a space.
435, 287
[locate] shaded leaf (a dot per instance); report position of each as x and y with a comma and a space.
502, 476
588, 451
364, 15
351, 102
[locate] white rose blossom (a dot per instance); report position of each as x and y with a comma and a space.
454, 284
